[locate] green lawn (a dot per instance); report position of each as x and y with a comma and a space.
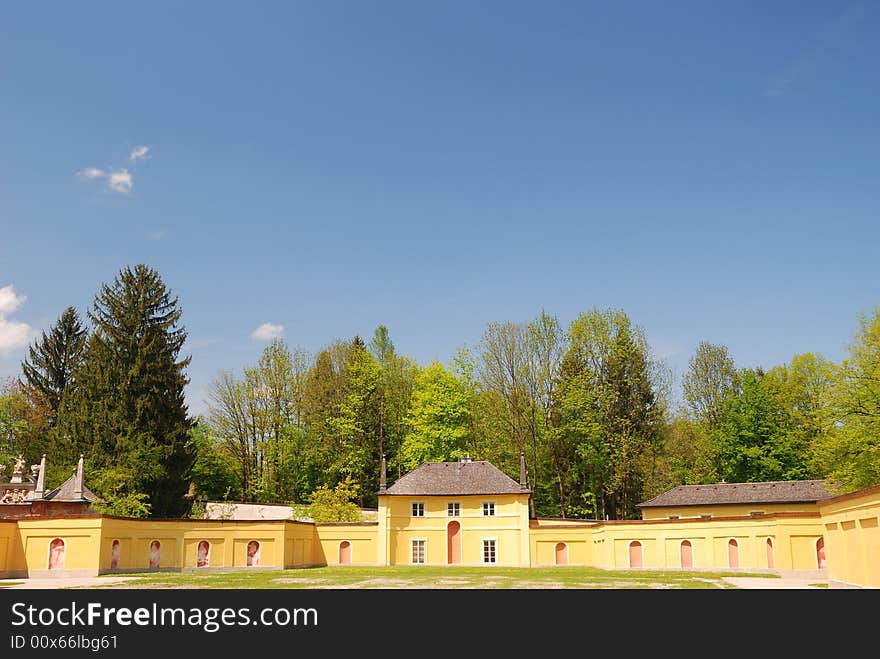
424, 577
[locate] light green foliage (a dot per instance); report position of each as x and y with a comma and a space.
756, 439
710, 379
805, 389
439, 418
25, 419
215, 472
356, 425
257, 420
336, 504
850, 455
691, 453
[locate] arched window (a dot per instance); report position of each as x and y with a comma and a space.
203, 553
155, 553
770, 553
114, 555
687, 554
253, 553
732, 553
344, 552
820, 553
635, 554
56, 554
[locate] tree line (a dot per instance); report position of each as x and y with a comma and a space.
588, 404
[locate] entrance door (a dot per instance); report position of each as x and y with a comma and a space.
820, 552
770, 553
453, 543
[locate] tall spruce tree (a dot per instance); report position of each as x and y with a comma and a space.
53, 358
130, 418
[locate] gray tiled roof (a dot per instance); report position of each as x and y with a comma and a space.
65, 492
456, 478
721, 493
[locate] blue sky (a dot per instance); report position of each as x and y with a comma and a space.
710, 168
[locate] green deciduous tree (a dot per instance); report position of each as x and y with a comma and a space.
24, 423
609, 418
336, 504
850, 455
439, 418
805, 388
710, 379
756, 439
258, 421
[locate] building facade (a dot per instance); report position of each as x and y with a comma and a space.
470, 513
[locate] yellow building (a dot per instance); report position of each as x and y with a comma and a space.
470, 513
454, 513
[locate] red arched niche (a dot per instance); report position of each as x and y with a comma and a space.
687, 554
344, 552
732, 553
635, 554
561, 553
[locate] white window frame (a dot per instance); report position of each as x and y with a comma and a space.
424, 552
417, 505
453, 509
488, 509
494, 542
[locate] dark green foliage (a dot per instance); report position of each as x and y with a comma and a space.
53, 359
128, 412
214, 473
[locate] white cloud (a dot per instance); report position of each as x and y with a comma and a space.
91, 172
139, 153
120, 181
267, 332
9, 301
13, 335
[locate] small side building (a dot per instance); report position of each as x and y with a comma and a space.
467, 512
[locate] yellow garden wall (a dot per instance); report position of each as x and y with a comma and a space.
179, 540
12, 559
577, 538
852, 538
301, 547
81, 537
362, 539
793, 538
